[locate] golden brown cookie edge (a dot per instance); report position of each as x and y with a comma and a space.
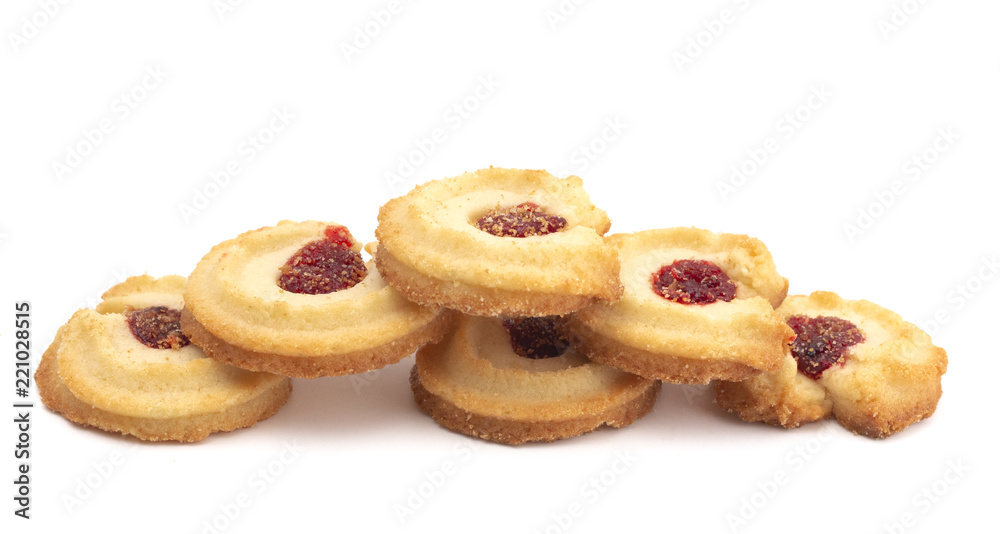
510, 432
769, 406
58, 398
315, 366
481, 301
665, 367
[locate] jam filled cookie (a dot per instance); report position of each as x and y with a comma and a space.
518, 380
297, 300
498, 242
852, 360
128, 368
697, 306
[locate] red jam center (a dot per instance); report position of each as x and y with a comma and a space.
158, 327
324, 266
821, 342
693, 282
523, 220
338, 235
537, 338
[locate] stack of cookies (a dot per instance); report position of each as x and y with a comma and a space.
530, 324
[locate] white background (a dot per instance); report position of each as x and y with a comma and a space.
364, 445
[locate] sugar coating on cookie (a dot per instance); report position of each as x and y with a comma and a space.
693, 282
296, 299
322, 267
498, 242
157, 327
822, 342
697, 306
855, 361
126, 367
476, 382
523, 220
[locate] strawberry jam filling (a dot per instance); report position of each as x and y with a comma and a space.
323, 266
537, 338
522, 220
693, 282
338, 235
157, 327
821, 342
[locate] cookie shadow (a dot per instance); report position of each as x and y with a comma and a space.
352, 407
691, 411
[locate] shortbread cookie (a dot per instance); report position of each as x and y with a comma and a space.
518, 380
852, 360
498, 242
698, 306
297, 300
127, 367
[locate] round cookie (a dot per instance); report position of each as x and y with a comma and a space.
296, 299
697, 306
126, 367
518, 381
852, 360
498, 242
